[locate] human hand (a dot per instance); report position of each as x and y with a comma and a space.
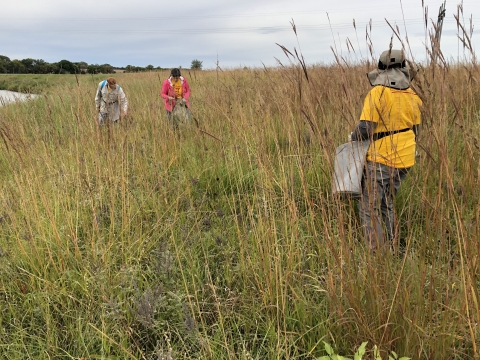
171, 98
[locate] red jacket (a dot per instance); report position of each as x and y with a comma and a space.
168, 90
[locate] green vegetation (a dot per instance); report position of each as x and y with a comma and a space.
34, 84
196, 65
223, 241
39, 66
46, 84
358, 354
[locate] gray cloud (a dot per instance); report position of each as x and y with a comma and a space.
239, 33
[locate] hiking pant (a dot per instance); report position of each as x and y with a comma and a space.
103, 117
380, 184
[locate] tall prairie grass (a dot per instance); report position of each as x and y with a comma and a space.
223, 241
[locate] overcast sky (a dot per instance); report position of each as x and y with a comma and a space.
236, 33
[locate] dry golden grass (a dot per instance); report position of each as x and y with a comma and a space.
132, 242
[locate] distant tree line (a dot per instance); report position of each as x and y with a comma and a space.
134, 69
195, 65
39, 66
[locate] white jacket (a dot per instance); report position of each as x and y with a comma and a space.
108, 100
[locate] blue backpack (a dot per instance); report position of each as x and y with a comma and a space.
103, 84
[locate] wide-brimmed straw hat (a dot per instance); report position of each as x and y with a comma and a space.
392, 71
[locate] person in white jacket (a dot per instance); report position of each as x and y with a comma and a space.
110, 100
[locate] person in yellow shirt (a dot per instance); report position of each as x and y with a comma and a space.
390, 119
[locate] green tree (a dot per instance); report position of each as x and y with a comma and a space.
29, 64
196, 65
92, 69
17, 67
4, 64
106, 69
40, 67
67, 67
82, 66
52, 68
133, 69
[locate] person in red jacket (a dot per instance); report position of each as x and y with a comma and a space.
176, 92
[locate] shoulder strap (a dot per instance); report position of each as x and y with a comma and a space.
378, 136
103, 84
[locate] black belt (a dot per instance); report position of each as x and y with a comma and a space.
378, 136
113, 102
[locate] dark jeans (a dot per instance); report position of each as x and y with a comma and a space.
380, 184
